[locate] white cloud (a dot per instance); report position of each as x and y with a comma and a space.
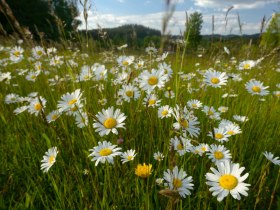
238, 4
176, 24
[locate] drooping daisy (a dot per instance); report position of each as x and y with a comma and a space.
143, 170
108, 121
49, 159
211, 112
255, 87
16, 54
53, 116
127, 156
81, 119
186, 121
105, 151
271, 158
179, 181
194, 104
181, 145
129, 92
215, 78
69, 101
151, 80
218, 153
164, 111
227, 180
151, 101
158, 156
151, 50
240, 118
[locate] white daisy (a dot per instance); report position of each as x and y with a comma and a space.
248, 64
36, 106
158, 156
16, 54
270, 157
52, 116
215, 78
211, 112
255, 87
81, 119
108, 121
105, 151
179, 181
38, 52
194, 104
218, 153
151, 100
240, 118
220, 134
127, 156
181, 145
49, 159
12, 98
69, 101
227, 180
151, 80
129, 92
164, 111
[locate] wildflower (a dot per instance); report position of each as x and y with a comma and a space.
220, 134
16, 54
12, 98
127, 156
129, 92
108, 121
240, 118
201, 149
105, 151
227, 180
81, 119
52, 116
215, 79
255, 87
211, 112
178, 180
226, 50
151, 100
164, 111
218, 153
181, 144
223, 109
158, 156
151, 80
246, 65
36, 105
125, 61
49, 159
143, 170
20, 109
70, 101
271, 158
194, 104
38, 52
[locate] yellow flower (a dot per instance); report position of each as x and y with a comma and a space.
143, 170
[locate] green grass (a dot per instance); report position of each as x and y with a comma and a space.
25, 138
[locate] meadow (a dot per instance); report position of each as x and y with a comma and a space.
122, 129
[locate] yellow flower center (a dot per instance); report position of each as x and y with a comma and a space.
51, 159
228, 181
215, 80
33, 77
256, 89
129, 93
86, 77
110, 123
184, 123
180, 146
152, 102
143, 170
164, 112
153, 80
219, 135
203, 149
54, 117
210, 113
194, 105
38, 106
71, 102
218, 155
230, 132
16, 53
246, 66
177, 183
39, 52
125, 63
129, 157
74, 108
139, 65
105, 152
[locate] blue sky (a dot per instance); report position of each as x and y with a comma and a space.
113, 13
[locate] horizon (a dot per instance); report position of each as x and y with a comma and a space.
115, 13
